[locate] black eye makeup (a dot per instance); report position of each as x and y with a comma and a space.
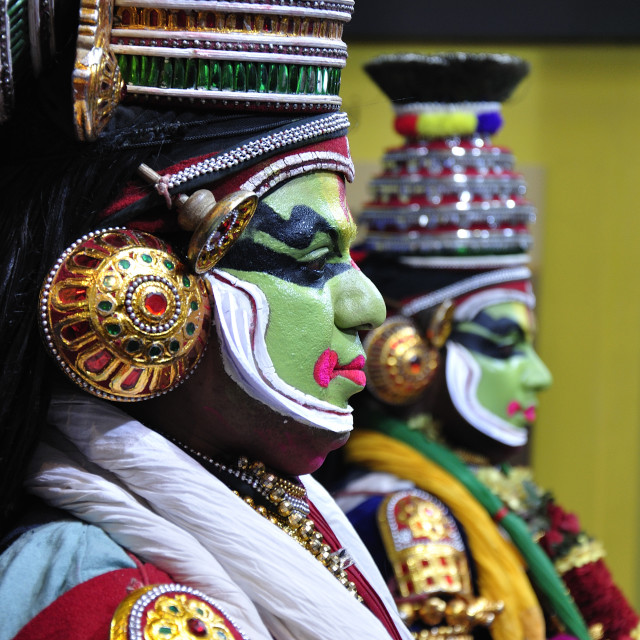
505, 342
298, 233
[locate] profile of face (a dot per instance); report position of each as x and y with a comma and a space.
494, 374
296, 252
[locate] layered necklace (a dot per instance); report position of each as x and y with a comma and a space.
282, 501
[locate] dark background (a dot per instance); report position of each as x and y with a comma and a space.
566, 21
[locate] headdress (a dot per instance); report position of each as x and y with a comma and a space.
227, 96
447, 224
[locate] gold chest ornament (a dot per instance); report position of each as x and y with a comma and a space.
434, 592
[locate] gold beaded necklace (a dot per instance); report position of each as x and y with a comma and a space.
283, 502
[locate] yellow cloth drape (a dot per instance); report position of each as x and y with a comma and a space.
501, 574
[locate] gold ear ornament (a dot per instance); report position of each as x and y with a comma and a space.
400, 362
123, 316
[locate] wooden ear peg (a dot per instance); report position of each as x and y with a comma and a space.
193, 209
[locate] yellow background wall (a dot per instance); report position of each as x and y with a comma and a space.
577, 118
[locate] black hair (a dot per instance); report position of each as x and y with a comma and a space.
50, 197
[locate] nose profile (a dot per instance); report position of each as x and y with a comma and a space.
358, 305
536, 374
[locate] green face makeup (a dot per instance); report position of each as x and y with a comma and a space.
500, 340
296, 250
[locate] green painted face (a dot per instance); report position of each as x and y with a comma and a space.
500, 340
296, 250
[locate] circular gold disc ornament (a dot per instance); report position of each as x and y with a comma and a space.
400, 363
171, 612
123, 316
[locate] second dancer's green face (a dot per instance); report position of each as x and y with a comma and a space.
500, 340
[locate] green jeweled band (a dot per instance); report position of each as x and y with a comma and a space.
213, 78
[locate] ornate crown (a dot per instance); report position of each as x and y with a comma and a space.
278, 56
448, 192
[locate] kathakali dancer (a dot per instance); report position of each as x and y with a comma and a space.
180, 315
471, 545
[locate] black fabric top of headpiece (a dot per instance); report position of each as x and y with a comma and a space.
447, 77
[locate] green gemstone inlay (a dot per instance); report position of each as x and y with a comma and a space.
174, 346
216, 75
147, 258
113, 329
302, 80
169, 265
272, 85
294, 72
252, 77
283, 79
124, 263
263, 78
336, 81
203, 74
153, 76
311, 80
240, 78
194, 305
166, 77
155, 350
185, 281
192, 74
178, 73
227, 76
174, 609
144, 70
105, 305
134, 76
190, 328
125, 66
165, 631
323, 81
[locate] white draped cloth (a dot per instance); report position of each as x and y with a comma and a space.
159, 503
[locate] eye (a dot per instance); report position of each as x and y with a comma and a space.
315, 264
505, 350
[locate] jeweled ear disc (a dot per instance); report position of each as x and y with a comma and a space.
218, 228
124, 317
400, 363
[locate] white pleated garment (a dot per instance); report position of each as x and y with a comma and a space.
157, 502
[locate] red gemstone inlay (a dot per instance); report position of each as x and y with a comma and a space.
88, 262
197, 627
73, 332
131, 380
225, 225
155, 304
70, 295
98, 361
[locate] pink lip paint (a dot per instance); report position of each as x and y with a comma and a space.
327, 368
513, 407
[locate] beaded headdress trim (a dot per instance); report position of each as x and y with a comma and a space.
488, 279
249, 151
